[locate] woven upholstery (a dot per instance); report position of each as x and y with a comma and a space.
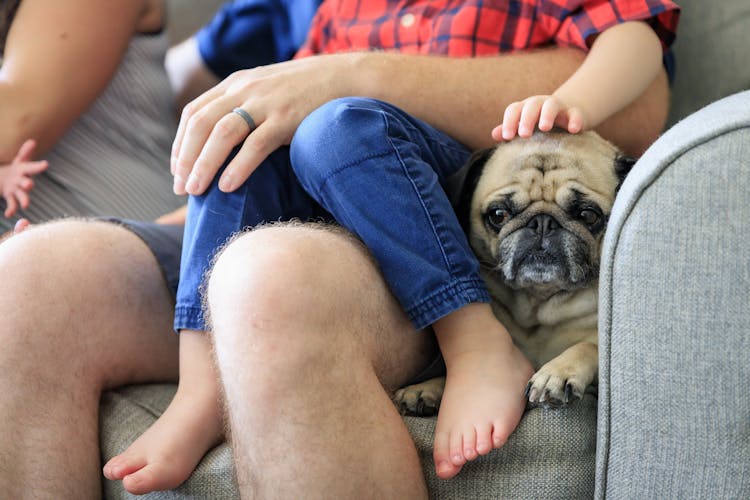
550, 455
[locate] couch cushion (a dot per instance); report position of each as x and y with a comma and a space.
550, 455
711, 51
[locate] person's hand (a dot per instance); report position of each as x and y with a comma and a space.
21, 226
16, 178
276, 97
547, 111
176, 217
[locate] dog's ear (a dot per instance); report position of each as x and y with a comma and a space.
473, 168
623, 165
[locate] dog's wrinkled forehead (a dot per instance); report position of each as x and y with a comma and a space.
549, 167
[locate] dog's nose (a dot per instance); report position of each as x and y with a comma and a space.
543, 224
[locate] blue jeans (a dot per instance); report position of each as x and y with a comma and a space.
371, 168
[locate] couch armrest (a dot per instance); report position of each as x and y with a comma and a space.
674, 316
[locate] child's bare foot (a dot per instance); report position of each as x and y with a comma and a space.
483, 399
168, 452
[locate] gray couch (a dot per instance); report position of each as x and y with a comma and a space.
672, 415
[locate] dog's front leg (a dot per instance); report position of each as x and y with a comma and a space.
566, 376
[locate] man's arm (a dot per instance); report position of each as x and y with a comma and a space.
462, 96
466, 97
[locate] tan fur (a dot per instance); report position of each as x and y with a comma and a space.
554, 325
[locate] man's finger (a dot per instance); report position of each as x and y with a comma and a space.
197, 131
262, 142
187, 112
229, 131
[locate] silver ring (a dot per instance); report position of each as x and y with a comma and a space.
245, 116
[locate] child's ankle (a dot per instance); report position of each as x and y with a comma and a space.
470, 328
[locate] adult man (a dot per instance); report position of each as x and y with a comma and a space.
303, 367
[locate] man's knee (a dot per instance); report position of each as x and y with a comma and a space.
45, 251
287, 300
89, 304
60, 273
62, 253
44, 269
287, 269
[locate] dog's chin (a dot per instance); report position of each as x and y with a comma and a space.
544, 267
543, 273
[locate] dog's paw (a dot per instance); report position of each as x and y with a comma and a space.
563, 379
555, 385
420, 399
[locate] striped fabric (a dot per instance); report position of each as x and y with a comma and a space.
476, 27
114, 160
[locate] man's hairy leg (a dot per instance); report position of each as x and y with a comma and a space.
84, 307
306, 338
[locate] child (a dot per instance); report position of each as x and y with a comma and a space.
623, 61
476, 415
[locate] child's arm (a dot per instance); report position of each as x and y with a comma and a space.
177, 217
15, 178
622, 63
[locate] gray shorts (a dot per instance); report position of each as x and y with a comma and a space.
164, 241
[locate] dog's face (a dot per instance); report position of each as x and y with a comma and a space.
536, 209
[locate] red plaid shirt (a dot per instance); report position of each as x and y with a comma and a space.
476, 27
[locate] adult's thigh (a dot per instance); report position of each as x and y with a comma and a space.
86, 299
317, 288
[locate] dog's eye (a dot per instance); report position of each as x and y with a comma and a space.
588, 216
496, 217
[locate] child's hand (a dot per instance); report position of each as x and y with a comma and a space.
15, 178
547, 110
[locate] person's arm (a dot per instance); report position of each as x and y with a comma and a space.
624, 60
188, 73
457, 95
177, 217
58, 58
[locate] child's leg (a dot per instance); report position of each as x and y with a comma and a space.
380, 173
270, 194
483, 399
165, 455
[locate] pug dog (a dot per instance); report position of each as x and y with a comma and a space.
535, 211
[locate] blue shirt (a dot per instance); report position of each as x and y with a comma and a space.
248, 33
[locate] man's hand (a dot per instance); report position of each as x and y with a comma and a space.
16, 178
545, 110
277, 97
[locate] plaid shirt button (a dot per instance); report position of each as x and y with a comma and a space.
407, 20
